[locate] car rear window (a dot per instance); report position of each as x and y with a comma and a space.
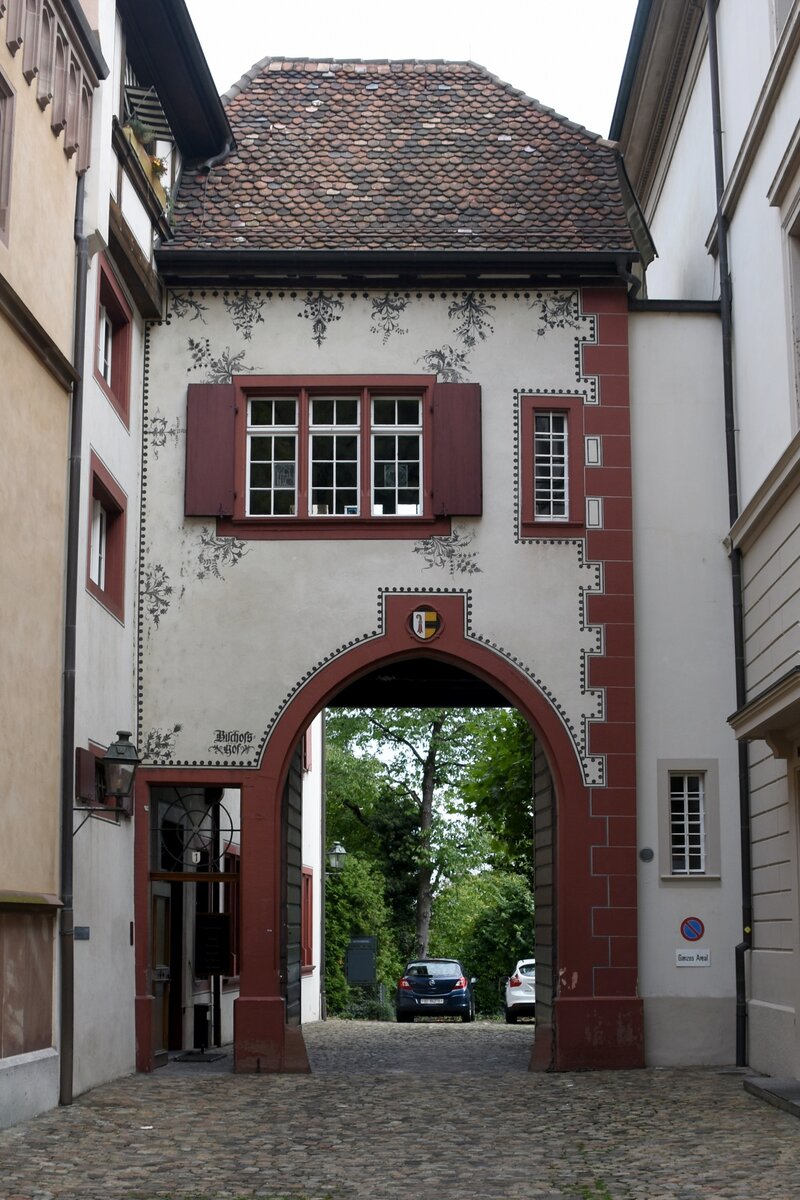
528, 969
438, 969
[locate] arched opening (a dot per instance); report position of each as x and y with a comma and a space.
595, 1018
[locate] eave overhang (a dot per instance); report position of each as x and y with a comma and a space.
662, 40
773, 716
164, 50
85, 38
377, 267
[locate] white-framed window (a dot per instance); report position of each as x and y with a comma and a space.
550, 466
396, 456
272, 433
687, 823
97, 549
333, 455
689, 832
306, 455
105, 343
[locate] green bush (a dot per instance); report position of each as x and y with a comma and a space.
355, 906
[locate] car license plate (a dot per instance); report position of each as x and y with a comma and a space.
427, 1000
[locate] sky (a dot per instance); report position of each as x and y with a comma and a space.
568, 54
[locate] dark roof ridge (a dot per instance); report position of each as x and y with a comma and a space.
326, 64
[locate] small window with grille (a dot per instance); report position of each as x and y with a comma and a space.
687, 817
550, 466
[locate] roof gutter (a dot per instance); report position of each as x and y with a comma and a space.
374, 266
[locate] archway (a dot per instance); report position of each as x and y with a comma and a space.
596, 1014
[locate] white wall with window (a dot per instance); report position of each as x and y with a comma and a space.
687, 778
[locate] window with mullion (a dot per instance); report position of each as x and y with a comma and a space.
550, 466
272, 456
396, 456
687, 824
334, 429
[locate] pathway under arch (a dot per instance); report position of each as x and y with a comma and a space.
596, 1015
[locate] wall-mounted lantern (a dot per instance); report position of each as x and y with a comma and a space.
336, 856
118, 766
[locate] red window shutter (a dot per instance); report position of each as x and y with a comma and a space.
457, 468
85, 776
210, 411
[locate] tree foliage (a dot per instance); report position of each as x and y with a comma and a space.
406, 801
435, 808
498, 788
356, 907
486, 921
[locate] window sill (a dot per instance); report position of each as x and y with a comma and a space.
305, 971
332, 528
707, 878
114, 607
552, 529
121, 408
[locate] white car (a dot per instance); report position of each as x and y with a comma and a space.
521, 991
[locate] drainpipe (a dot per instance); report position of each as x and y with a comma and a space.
67, 938
726, 306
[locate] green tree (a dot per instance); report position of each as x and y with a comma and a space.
406, 801
486, 921
497, 788
356, 907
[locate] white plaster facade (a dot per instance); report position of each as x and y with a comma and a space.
759, 89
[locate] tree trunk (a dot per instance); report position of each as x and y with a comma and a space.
425, 874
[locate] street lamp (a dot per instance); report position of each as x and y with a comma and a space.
336, 856
119, 765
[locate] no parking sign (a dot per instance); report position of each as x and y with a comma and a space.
692, 929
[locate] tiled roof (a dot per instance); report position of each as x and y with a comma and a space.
339, 155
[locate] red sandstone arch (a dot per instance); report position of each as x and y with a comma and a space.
597, 1015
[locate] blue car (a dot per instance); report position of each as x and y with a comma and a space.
435, 987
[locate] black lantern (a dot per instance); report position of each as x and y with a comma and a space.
119, 765
336, 856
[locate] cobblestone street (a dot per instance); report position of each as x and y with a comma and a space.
440, 1110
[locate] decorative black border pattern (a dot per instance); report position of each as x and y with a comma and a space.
474, 324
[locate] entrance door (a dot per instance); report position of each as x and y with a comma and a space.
161, 920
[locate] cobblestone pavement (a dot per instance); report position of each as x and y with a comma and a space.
434, 1110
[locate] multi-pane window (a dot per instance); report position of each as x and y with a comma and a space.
324, 455
272, 458
687, 828
334, 429
550, 466
396, 456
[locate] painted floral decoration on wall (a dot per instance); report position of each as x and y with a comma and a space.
181, 306
557, 310
245, 312
159, 744
156, 592
386, 313
447, 364
471, 313
218, 370
449, 551
321, 310
216, 553
160, 432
